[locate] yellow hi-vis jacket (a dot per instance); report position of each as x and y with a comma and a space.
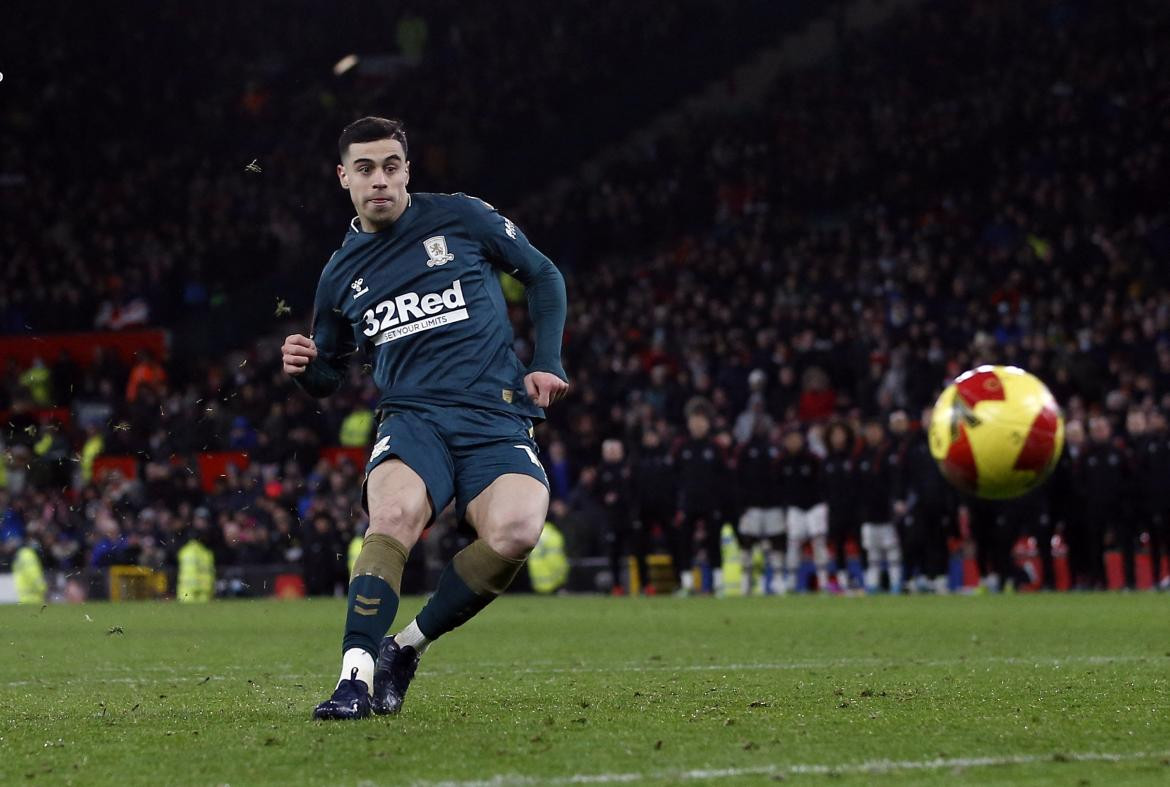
732, 567
548, 567
29, 576
357, 428
355, 549
196, 573
89, 452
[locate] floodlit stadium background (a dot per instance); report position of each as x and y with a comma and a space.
804, 212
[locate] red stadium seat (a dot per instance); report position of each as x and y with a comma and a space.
126, 466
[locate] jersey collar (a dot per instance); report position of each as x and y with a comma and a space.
355, 224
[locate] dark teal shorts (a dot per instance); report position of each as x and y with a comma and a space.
457, 451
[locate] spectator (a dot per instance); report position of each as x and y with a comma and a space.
146, 372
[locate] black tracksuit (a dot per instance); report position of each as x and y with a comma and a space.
655, 488
1105, 478
875, 477
622, 530
703, 491
756, 478
800, 480
1066, 504
1152, 467
931, 505
756, 475
839, 478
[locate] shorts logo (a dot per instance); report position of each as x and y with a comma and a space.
531, 454
380, 447
436, 248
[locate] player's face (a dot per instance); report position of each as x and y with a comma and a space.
375, 174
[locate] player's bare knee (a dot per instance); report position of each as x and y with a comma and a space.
399, 520
515, 537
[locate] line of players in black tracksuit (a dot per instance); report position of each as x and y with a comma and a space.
882, 490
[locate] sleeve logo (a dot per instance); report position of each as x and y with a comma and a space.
437, 253
380, 447
510, 228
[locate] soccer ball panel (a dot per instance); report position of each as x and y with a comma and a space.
996, 432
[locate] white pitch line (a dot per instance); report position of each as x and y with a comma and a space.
198, 673
803, 769
809, 665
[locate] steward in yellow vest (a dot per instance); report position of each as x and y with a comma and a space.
196, 573
355, 549
29, 576
358, 428
548, 568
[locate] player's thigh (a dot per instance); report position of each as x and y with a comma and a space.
797, 524
773, 522
409, 477
510, 513
396, 497
888, 537
751, 523
500, 485
869, 536
818, 521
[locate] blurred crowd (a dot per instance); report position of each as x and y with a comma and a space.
198, 182
960, 186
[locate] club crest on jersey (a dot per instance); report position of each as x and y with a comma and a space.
436, 248
358, 289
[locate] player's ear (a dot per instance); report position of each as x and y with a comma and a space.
342, 177
406, 168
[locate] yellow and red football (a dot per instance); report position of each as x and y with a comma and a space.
996, 432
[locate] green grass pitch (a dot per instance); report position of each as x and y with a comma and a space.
1025, 689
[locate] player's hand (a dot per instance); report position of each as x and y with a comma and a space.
297, 351
545, 388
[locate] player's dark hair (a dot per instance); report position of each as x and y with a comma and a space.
371, 129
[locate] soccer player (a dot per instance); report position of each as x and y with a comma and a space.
839, 475
623, 531
876, 467
807, 514
761, 522
703, 483
415, 281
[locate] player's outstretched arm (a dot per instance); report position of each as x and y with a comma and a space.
547, 381
508, 248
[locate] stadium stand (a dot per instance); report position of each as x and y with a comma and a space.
950, 189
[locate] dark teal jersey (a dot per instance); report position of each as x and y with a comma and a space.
423, 296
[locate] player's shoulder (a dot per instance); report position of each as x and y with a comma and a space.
459, 203
352, 233
338, 257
